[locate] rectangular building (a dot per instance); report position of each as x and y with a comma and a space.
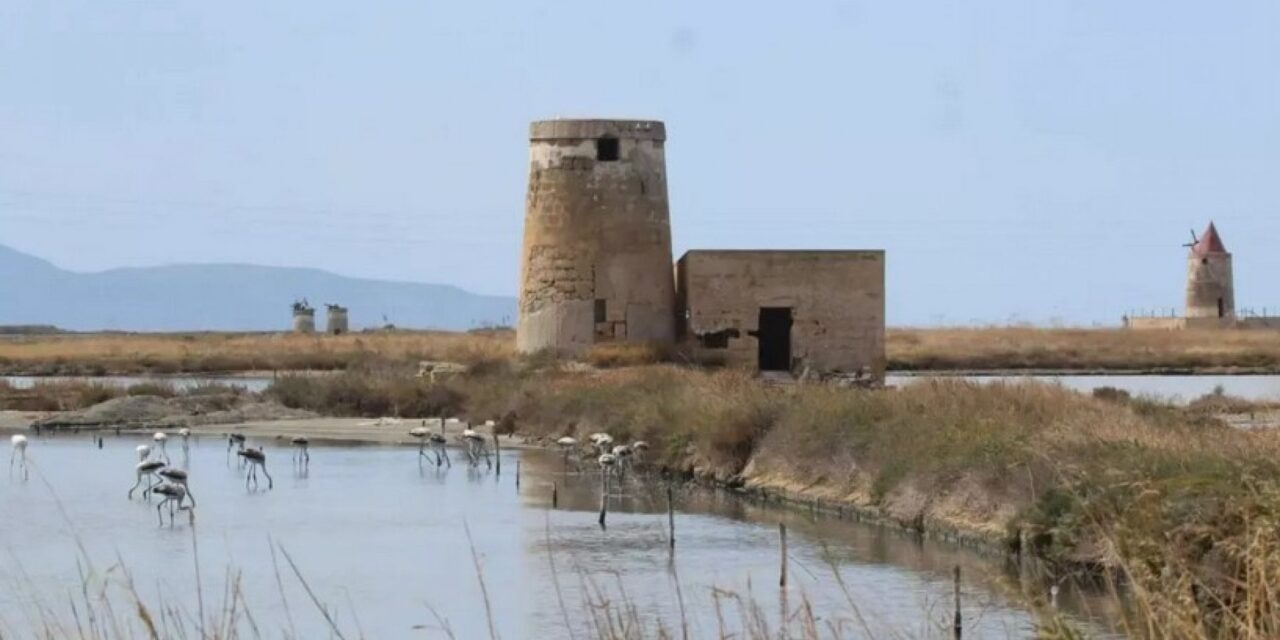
798, 311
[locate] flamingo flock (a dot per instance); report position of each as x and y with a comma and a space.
154, 473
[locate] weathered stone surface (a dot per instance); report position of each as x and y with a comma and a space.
836, 298
595, 230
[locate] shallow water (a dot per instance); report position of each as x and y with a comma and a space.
383, 542
1179, 389
249, 383
1176, 388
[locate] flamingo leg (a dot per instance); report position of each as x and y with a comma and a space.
270, 483
159, 513
135, 486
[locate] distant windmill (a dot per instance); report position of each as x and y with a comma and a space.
1194, 240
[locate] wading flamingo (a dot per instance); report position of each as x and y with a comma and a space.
19, 454
256, 458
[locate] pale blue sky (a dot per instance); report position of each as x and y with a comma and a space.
1017, 160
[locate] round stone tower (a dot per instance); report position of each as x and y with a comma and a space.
596, 262
304, 317
1210, 292
336, 319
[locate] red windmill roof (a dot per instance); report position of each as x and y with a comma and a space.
1209, 242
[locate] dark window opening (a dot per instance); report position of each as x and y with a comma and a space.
1222, 309
602, 311
606, 149
717, 339
1204, 261
774, 339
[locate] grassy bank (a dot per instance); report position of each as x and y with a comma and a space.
907, 350
1167, 500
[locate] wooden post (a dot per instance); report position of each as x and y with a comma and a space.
782, 539
956, 628
671, 519
604, 496
555, 495
497, 455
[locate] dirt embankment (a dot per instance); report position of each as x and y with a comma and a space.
130, 412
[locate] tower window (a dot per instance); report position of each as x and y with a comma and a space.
602, 311
607, 149
1204, 261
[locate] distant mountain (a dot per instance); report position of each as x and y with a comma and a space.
225, 297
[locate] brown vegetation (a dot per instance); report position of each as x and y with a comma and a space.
996, 348
908, 350
1166, 500
100, 354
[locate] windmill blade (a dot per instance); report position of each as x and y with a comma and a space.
1194, 240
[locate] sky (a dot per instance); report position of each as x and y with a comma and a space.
1018, 161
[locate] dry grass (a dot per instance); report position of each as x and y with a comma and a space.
1077, 349
908, 349
98, 354
1175, 503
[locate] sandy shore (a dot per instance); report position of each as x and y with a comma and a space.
318, 430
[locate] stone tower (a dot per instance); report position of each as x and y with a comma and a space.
336, 319
1210, 292
304, 317
596, 261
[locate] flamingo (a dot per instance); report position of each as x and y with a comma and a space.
160, 439
146, 469
475, 447
607, 462
256, 458
601, 441
438, 443
623, 454
173, 494
179, 477
566, 445
186, 437
436, 440
19, 454
144, 452
234, 440
300, 454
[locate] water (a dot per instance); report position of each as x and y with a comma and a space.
383, 542
1180, 389
249, 383
1177, 388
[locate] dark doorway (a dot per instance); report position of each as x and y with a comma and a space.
774, 338
1222, 309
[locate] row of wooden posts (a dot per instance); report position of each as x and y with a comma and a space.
957, 623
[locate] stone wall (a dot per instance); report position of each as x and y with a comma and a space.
836, 298
1210, 286
596, 259
1159, 323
